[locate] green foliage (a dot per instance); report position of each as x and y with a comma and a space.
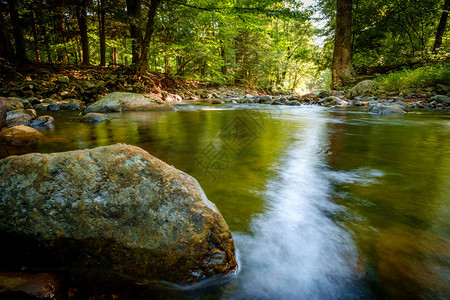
408, 79
386, 32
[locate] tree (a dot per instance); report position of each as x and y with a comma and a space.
6, 49
342, 66
441, 27
102, 31
143, 59
19, 40
134, 10
81, 13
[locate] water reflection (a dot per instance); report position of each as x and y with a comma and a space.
400, 220
296, 251
322, 205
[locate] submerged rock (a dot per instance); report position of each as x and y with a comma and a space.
118, 101
94, 118
363, 88
20, 135
115, 209
386, 109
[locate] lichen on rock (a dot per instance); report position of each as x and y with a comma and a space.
114, 208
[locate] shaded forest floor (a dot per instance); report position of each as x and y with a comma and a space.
88, 83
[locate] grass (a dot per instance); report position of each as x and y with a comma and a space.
410, 79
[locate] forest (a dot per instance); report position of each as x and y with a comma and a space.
279, 45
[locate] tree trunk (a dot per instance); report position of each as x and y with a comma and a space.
61, 27
19, 40
143, 61
166, 62
82, 24
36, 38
441, 28
6, 49
342, 55
102, 32
134, 8
223, 68
114, 56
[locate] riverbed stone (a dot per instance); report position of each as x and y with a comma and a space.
11, 103
71, 104
94, 118
324, 94
294, 103
41, 106
114, 209
332, 101
22, 116
383, 109
20, 135
42, 121
441, 99
120, 101
363, 88
168, 97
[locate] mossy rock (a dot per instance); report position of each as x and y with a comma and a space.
114, 210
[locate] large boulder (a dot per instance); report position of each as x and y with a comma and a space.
115, 210
118, 101
20, 135
363, 88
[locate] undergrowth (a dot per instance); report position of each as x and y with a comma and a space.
410, 79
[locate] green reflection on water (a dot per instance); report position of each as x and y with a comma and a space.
397, 208
231, 153
400, 221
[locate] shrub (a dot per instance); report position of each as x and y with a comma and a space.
408, 79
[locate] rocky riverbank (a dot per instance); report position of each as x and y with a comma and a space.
46, 87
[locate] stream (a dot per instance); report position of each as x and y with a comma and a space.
322, 203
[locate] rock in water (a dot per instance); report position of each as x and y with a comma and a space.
94, 118
11, 103
118, 101
116, 209
20, 135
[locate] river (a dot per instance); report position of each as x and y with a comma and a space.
322, 203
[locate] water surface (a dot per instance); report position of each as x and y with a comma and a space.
322, 204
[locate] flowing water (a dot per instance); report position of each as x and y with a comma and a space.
322, 204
